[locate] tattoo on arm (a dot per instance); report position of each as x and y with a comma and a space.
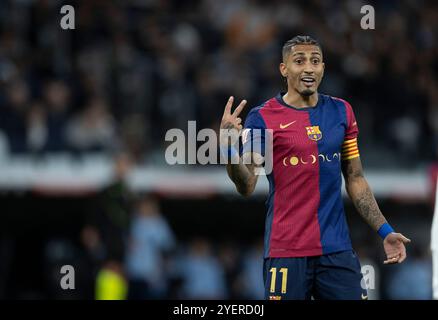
367, 206
243, 176
361, 194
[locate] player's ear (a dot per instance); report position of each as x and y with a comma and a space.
283, 69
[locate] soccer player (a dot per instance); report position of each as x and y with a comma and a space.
308, 251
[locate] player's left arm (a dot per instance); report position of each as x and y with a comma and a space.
360, 193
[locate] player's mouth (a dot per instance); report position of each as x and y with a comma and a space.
308, 81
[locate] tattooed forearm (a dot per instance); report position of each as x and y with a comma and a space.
360, 193
243, 177
366, 204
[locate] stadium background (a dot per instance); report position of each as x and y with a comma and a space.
83, 114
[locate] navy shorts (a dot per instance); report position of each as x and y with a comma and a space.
335, 276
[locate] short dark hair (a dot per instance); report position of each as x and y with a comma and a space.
296, 41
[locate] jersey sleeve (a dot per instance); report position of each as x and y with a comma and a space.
253, 134
350, 148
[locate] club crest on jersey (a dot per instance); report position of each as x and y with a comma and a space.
314, 133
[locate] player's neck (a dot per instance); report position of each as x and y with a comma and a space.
297, 100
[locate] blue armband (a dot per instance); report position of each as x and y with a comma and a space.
384, 230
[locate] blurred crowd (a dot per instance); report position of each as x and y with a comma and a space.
128, 250
133, 69
125, 245
133, 253
154, 264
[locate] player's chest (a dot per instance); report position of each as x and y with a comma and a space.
300, 133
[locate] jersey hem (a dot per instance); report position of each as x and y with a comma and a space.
291, 253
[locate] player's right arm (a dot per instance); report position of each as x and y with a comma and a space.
242, 169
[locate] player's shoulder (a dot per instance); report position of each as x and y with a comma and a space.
255, 111
339, 102
254, 117
272, 102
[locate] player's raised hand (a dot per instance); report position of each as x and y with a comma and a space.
394, 245
231, 123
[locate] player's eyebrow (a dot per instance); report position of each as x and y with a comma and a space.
300, 53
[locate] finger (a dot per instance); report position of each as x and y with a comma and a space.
402, 254
238, 120
239, 108
393, 256
402, 257
390, 261
229, 105
404, 239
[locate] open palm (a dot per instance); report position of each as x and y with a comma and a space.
394, 246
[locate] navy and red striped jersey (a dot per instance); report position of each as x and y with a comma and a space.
305, 212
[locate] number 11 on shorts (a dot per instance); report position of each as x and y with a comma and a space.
273, 272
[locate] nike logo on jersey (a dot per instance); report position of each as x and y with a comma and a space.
284, 126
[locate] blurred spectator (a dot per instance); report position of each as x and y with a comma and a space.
116, 205
105, 233
93, 129
58, 102
37, 132
251, 279
13, 115
151, 241
202, 273
92, 259
229, 257
110, 283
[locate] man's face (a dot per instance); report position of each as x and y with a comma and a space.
303, 68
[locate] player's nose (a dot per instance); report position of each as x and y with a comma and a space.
308, 69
